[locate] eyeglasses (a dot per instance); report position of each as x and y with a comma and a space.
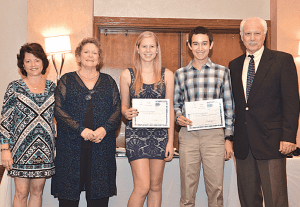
89, 96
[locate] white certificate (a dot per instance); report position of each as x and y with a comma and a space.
206, 114
153, 113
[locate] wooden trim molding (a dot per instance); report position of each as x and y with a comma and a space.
171, 24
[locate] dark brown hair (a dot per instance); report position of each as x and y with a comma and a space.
35, 49
200, 30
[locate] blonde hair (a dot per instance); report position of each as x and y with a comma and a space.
138, 81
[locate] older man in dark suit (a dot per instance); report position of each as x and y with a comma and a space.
265, 90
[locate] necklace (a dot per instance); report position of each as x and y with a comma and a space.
86, 77
37, 85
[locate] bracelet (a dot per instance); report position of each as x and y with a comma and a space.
5, 149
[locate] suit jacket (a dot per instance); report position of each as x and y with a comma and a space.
272, 111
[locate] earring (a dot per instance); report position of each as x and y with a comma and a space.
138, 52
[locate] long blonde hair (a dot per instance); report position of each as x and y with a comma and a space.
138, 82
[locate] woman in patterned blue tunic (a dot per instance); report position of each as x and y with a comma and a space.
147, 149
27, 127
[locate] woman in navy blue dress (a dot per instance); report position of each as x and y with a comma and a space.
147, 149
88, 112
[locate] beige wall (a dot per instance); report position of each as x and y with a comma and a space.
60, 17
288, 31
33, 20
13, 25
194, 9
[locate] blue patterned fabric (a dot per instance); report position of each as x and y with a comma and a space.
250, 75
146, 142
70, 109
27, 125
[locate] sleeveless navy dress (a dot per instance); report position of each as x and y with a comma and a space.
146, 142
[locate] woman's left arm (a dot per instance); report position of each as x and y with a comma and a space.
114, 120
169, 80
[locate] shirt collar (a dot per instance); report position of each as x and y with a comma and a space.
208, 64
258, 53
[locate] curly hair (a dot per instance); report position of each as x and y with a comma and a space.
35, 49
84, 42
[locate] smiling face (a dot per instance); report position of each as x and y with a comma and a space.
89, 56
200, 47
253, 35
32, 65
147, 49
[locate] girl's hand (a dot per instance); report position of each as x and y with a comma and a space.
169, 152
129, 113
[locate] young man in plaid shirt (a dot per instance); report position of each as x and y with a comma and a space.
203, 80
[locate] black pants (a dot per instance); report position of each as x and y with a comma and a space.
90, 203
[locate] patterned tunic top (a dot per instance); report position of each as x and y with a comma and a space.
27, 125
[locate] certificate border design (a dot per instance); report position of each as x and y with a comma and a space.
222, 125
165, 125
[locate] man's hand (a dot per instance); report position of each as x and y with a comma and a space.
228, 150
183, 121
286, 147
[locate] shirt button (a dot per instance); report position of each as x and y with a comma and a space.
245, 122
247, 108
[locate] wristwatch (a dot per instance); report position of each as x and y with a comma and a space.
229, 137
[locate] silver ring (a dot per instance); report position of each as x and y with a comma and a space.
86, 139
100, 138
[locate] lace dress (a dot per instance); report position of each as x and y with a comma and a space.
146, 142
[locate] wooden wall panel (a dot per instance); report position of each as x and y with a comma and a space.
117, 36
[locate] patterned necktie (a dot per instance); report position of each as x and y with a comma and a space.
250, 75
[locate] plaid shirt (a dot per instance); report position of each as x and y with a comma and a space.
212, 82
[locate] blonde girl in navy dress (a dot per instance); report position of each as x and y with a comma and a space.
147, 149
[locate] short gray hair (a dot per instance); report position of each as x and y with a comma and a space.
262, 21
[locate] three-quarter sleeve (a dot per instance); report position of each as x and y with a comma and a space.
7, 115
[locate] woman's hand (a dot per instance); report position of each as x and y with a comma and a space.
6, 159
88, 134
129, 113
100, 134
169, 152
